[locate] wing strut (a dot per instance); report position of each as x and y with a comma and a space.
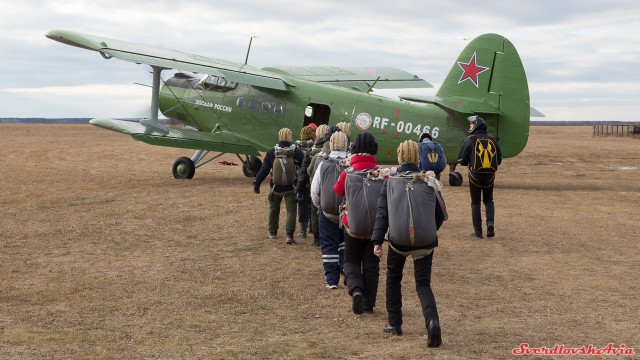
155, 99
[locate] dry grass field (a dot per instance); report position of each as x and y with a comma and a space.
104, 255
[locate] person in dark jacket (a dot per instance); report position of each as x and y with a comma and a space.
304, 181
480, 182
396, 256
306, 142
279, 192
361, 266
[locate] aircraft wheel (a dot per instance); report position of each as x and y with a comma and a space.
251, 167
183, 168
455, 179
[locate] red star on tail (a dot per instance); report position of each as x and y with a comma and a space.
471, 70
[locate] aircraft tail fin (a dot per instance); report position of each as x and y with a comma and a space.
488, 79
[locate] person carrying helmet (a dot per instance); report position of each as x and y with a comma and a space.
431, 154
282, 161
481, 153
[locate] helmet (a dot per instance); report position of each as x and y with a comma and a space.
476, 123
365, 143
425, 134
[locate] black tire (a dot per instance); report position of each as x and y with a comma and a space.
455, 179
183, 168
251, 167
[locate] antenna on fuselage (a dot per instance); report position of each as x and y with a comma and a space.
249, 49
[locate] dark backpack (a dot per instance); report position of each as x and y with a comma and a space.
283, 171
411, 206
329, 201
431, 157
362, 190
485, 155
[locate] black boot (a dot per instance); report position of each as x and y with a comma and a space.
476, 219
490, 212
434, 336
357, 298
395, 330
303, 230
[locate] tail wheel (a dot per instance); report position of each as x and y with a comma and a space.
455, 178
183, 168
251, 166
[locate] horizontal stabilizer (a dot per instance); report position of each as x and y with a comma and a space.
535, 112
221, 141
459, 104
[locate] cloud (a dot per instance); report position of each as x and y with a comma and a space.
566, 46
84, 91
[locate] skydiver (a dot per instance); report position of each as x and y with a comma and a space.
395, 217
282, 184
481, 153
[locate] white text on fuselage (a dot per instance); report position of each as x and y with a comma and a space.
405, 127
363, 121
219, 107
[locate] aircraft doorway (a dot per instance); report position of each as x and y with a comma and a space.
317, 114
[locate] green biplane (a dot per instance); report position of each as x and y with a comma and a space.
235, 108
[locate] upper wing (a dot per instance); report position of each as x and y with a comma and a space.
361, 78
170, 59
222, 141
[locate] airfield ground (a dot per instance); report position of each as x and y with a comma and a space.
104, 255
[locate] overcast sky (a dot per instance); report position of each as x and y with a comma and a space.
580, 56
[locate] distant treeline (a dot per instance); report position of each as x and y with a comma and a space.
44, 120
61, 120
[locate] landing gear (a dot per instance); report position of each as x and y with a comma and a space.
455, 178
251, 165
183, 168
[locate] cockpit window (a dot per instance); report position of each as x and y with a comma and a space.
216, 83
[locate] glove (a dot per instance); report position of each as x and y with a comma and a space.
299, 197
256, 189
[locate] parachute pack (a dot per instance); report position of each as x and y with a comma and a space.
304, 144
411, 200
362, 190
283, 170
316, 160
329, 201
485, 156
431, 157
